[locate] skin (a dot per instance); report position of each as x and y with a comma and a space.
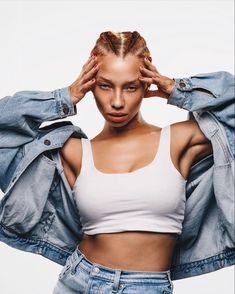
127, 140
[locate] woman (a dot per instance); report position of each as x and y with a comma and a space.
132, 205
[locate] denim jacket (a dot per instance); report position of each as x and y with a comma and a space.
38, 212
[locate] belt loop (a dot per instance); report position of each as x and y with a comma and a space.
169, 278
75, 261
116, 281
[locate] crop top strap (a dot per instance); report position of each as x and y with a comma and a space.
87, 162
164, 146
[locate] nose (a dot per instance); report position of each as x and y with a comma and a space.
117, 100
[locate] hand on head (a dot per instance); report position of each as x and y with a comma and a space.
151, 75
85, 81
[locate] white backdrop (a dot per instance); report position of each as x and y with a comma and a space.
43, 47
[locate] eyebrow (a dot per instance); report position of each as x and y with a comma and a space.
128, 82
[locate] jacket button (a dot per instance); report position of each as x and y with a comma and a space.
182, 84
65, 108
47, 142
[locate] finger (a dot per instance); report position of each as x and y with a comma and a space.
149, 65
146, 80
88, 85
89, 75
88, 61
155, 93
88, 66
148, 72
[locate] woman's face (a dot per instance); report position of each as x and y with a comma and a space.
118, 89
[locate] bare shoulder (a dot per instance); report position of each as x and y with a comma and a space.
189, 132
71, 156
72, 152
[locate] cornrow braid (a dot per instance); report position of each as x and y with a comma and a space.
121, 44
111, 44
135, 35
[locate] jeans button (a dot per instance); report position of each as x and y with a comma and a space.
96, 269
121, 285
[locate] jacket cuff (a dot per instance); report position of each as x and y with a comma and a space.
178, 94
65, 104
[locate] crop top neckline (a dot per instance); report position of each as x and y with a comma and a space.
156, 156
89, 161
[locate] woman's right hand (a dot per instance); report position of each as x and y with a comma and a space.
85, 81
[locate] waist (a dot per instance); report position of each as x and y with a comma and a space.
130, 250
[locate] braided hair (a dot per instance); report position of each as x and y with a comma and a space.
121, 44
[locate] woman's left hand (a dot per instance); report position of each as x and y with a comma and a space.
150, 75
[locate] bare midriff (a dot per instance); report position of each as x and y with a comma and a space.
130, 250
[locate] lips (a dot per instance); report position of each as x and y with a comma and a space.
117, 114
118, 118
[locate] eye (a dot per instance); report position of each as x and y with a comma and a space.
131, 88
103, 86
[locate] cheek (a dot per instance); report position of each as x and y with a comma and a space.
136, 97
136, 103
100, 95
101, 102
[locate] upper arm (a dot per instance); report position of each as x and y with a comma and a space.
71, 156
192, 140
199, 144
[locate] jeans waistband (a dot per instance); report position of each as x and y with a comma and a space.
98, 270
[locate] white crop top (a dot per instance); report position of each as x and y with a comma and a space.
151, 198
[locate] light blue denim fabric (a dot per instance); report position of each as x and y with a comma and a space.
82, 276
38, 212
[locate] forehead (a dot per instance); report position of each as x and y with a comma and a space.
119, 69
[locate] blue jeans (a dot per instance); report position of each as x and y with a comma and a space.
79, 275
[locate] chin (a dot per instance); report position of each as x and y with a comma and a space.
117, 124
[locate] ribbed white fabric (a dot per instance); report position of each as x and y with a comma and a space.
151, 198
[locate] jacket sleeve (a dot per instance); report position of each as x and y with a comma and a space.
24, 112
208, 92
20, 118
